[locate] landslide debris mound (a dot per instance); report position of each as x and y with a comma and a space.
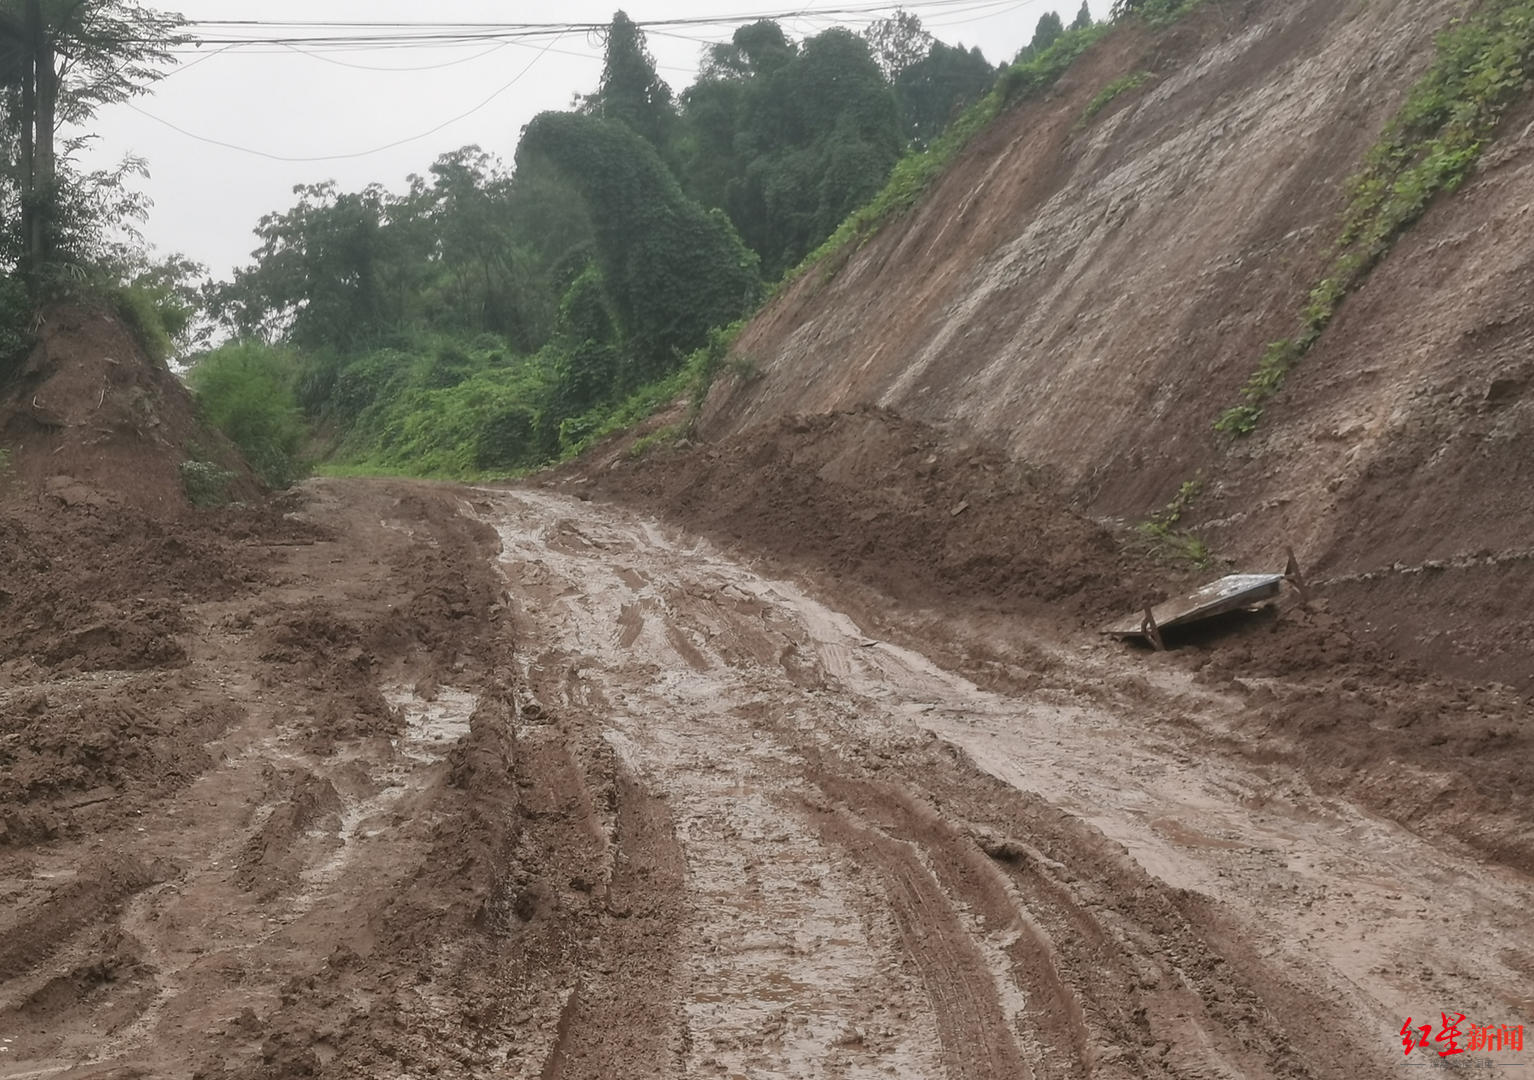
98, 552
898, 505
101, 565
1093, 289
88, 419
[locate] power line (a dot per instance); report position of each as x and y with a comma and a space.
379, 67
345, 157
500, 36
429, 33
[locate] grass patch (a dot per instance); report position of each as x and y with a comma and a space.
1429, 148
1176, 545
663, 436
1169, 542
1109, 93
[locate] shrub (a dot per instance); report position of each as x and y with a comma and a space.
247, 392
205, 484
157, 317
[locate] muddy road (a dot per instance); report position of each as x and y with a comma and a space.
659, 811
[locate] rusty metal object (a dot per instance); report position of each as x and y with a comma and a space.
1294, 577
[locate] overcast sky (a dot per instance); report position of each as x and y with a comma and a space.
307, 105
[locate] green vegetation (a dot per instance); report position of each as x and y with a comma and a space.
157, 301
15, 321
1172, 543
490, 320
246, 391
66, 232
1036, 71
1481, 67
670, 269
662, 436
1155, 12
206, 484
1109, 93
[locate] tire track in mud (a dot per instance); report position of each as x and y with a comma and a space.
976, 1034
94, 896
624, 1019
1050, 1009
786, 961
1074, 896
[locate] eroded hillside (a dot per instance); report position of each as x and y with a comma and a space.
1093, 291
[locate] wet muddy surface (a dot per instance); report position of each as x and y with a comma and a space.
649, 807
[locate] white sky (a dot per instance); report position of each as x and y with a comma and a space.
208, 198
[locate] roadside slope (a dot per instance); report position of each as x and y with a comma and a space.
1092, 293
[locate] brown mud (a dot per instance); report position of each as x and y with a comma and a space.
516, 783
977, 545
809, 762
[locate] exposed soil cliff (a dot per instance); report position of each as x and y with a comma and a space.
1092, 293
89, 421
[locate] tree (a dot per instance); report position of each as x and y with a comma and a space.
1046, 33
1083, 20
61, 60
1123, 9
898, 42
319, 278
486, 277
631, 92
756, 49
935, 90
672, 270
817, 140
717, 107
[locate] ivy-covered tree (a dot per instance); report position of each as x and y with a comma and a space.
631, 92
587, 350
672, 270
754, 50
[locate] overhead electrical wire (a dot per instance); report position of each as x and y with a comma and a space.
360, 153
498, 36
433, 33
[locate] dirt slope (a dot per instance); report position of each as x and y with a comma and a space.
87, 420
1093, 295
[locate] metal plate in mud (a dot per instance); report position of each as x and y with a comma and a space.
1218, 597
